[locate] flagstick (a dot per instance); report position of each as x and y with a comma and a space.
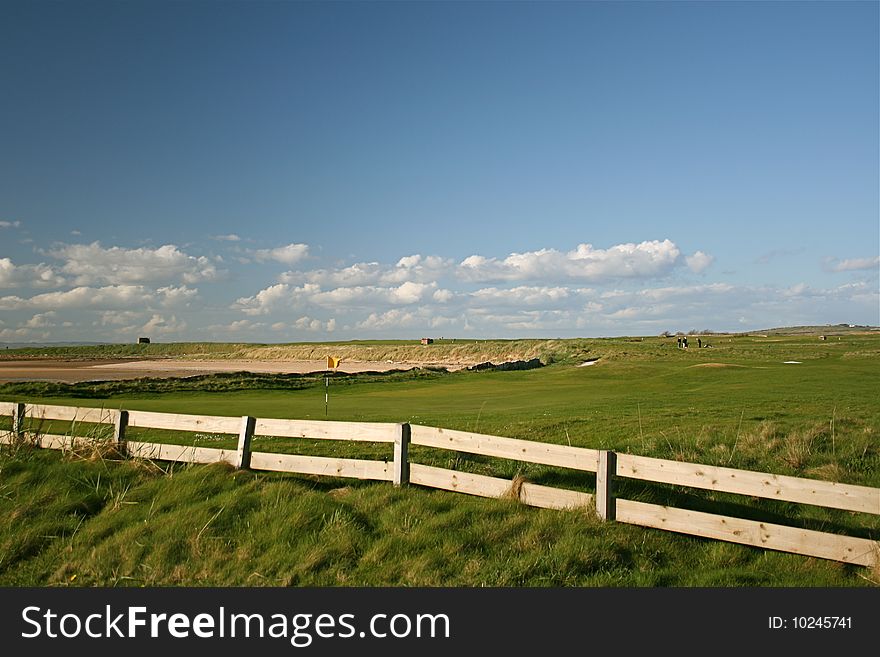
326, 393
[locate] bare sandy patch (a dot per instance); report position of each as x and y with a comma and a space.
718, 365
71, 371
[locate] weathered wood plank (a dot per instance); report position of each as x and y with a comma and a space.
180, 422
563, 456
460, 482
55, 441
548, 497
605, 501
181, 453
745, 482
324, 466
7, 408
69, 413
847, 549
374, 432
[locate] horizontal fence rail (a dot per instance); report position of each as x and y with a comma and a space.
608, 466
750, 532
369, 432
179, 422
68, 413
577, 458
756, 484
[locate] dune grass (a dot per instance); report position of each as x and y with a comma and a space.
87, 520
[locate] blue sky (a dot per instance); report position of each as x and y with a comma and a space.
301, 171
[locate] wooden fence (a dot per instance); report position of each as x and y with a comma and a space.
608, 466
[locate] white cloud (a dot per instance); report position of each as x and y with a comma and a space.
109, 297
10, 224
22, 334
394, 318
290, 254
89, 264
176, 296
414, 268
699, 262
361, 273
41, 320
159, 325
265, 301
853, 264
283, 296
523, 296
308, 324
443, 296
371, 295
232, 237
119, 318
12, 275
643, 260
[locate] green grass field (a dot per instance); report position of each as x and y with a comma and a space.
89, 521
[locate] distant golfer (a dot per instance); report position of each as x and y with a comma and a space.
699, 343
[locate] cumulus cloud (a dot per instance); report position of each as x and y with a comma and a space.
10, 224
646, 259
371, 295
91, 264
289, 254
283, 295
699, 262
109, 297
414, 268
12, 275
443, 296
41, 320
266, 300
523, 296
160, 325
852, 264
176, 296
232, 237
120, 318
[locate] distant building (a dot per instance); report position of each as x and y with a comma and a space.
143, 340
427, 340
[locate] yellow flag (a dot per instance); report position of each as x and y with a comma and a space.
333, 362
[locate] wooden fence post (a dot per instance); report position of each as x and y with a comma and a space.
18, 412
401, 455
244, 441
120, 423
605, 503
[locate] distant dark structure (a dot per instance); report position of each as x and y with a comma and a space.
427, 340
143, 340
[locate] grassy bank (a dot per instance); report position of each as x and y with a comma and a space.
442, 350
